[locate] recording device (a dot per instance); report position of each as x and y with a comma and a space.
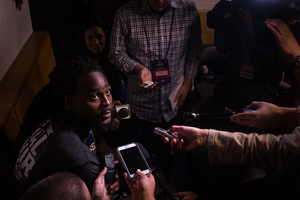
146, 84
163, 133
110, 165
123, 111
133, 159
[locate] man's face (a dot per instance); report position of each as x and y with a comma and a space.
159, 5
93, 100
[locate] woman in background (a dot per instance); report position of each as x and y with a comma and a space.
93, 41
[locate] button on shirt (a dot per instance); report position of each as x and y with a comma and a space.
130, 46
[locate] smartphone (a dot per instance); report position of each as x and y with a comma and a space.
248, 110
163, 133
132, 159
146, 84
110, 165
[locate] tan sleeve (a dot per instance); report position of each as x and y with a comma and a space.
266, 151
298, 114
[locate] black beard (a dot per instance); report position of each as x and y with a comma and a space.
106, 127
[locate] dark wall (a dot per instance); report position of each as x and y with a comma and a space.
61, 17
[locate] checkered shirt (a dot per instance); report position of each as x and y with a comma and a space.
129, 46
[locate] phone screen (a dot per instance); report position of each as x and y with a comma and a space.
133, 159
109, 160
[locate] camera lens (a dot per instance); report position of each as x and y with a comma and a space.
123, 112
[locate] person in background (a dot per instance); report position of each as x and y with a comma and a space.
157, 41
252, 72
93, 40
59, 128
267, 115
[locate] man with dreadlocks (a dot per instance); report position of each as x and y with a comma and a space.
58, 129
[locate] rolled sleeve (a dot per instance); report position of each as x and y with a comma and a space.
118, 51
298, 114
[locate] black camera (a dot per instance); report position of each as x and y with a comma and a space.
221, 17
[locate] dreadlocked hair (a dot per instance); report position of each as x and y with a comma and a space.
65, 79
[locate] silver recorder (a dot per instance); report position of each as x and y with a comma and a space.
123, 111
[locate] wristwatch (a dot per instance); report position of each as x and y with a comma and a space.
297, 62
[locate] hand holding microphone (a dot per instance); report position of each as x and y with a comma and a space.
190, 138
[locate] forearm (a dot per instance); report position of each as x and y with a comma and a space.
265, 151
137, 68
289, 117
188, 82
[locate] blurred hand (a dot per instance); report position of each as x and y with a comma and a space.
191, 138
145, 75
183, 91
99, 188
187, 195
288, 46
266, 115
143, 188
103, 190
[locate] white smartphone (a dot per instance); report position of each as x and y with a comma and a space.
133, 159
146, 84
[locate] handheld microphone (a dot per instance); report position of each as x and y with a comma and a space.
154, 164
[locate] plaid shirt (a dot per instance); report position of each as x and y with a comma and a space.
129, 46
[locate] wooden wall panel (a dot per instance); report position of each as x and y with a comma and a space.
13, 81
207, 33
46, 60
31, 88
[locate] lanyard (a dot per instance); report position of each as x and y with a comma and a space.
148, 43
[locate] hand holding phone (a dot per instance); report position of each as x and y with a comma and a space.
163, 133
133, 159
146, 84
110, 165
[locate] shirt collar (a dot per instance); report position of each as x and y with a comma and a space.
145, 7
